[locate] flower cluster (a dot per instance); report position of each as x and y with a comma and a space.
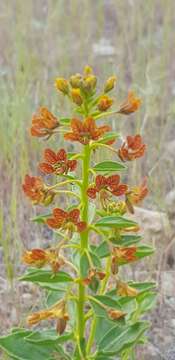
84, 131
37, 191
57, 163
41, 257
69, 220
57, 312
105, 187
44, 123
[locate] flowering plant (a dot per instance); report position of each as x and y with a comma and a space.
93, 313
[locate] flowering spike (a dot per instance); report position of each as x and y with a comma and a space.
115, 234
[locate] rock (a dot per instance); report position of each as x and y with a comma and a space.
152, 222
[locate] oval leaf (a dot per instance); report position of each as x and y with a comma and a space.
109, 166
116, 222
46, 276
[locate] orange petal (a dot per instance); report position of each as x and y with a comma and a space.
50, 156
46, 168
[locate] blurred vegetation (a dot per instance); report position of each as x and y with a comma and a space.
43, 39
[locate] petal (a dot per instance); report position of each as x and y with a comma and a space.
74, 215
46, 168
59, 214
113, 180
100, 181
71, 136
53, 223
61, 155
77, 126
130, 140
91, 192
89, 125
72, 164
81, 226
120, 190
50, 156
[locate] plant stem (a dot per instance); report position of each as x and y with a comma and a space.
84, 239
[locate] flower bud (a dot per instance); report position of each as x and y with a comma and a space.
75, 81
88, 70
109, 84
104, 103
48, 198
89, 84
62, 85
76, 97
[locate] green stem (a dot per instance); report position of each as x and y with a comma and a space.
84, 240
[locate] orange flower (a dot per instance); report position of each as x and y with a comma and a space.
44, 123
132, 148
37, 191
124, 289
93, 274
106, 186
116, 314
57, 163
57, 312
130, 105
104, 103
66, 220
121, 254
135, 195
84, 131
40, 258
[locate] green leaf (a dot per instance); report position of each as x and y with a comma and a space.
109, 166
45, 276
144, 250
102, 250
17, 347
108, 301
116, 222
126, 240
102, 327
50, 286
95, 259
54, 296
142, 286
146, 301
65, 121
98, 303
118, 339
41, 218
108, 137
48, 336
